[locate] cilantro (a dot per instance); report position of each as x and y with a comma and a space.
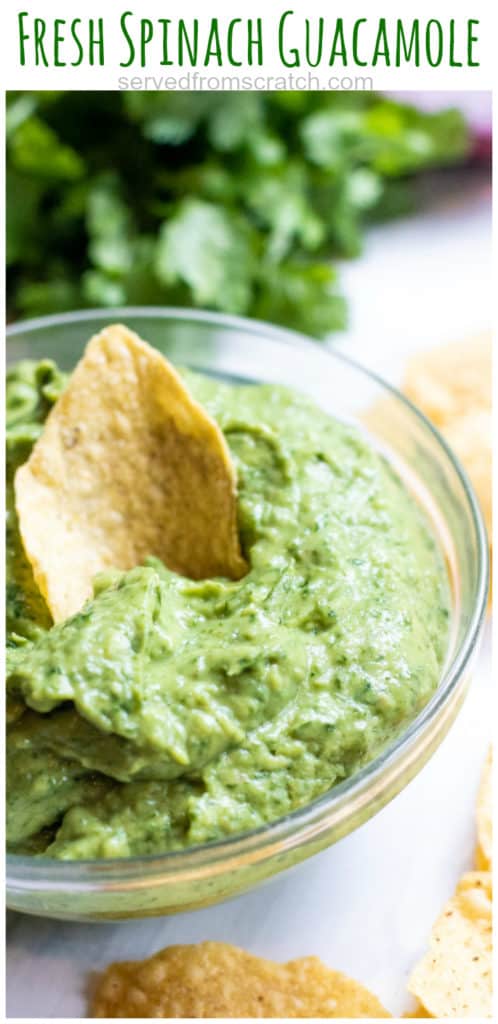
208, 248
231, 201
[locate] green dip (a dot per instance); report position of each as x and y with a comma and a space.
170, 712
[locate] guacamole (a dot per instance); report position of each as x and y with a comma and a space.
170, 712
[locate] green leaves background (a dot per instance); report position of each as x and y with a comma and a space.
232, 201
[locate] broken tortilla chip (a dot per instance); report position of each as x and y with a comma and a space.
484, 850
214, 979
452, 386
450, 381
471, 438
454, 979
128, 465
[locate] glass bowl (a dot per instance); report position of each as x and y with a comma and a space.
245, 351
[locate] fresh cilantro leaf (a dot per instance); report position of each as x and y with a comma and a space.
208, 249
36, 150
301, 295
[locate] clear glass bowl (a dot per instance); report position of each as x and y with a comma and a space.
247, 351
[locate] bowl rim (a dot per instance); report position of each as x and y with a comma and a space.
305, 823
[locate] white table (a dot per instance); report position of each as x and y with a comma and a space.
367, 904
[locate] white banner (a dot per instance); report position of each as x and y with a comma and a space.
295, 44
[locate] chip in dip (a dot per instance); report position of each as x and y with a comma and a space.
128, 465
170, 711
214, 979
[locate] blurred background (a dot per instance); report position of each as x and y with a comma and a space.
250, 203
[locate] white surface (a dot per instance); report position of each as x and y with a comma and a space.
367, 904
421, 281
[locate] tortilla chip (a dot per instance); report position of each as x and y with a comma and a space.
471, 439
452, 380
128, 465
454, 979
484, 851
452, 386
213, 979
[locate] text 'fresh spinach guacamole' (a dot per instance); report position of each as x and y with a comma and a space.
171, 712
